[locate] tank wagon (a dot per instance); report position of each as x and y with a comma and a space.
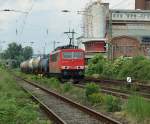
30, 65
35, 65
44, 66
65, 62
25, 66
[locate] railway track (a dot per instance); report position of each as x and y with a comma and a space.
143, 90
116, 92
65, 110
50, 114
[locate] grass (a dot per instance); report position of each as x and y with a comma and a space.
138, 108
112, 103
96, 99
15, 105
90, 89
67, 87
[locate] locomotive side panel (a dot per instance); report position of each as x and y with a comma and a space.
54, 63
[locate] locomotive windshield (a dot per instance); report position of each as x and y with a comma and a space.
72, 55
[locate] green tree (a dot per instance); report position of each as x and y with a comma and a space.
16, 53
27, 52
14, 50
96, 65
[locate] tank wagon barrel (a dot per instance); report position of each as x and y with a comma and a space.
35, 64
43, 66
30, 65
25, 66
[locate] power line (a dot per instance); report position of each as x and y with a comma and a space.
118, 4
70, 35
26, 17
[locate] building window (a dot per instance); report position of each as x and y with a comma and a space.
117, 15
114, 15
134, 15
121, 15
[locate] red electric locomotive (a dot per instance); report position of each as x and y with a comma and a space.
67, 62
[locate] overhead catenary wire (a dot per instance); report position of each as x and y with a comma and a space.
26, 18
118, 4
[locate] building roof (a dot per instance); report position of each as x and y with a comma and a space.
84, 40
130, 15
124, 36
129, 10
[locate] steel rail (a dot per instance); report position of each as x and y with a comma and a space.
106, 91
116, 92
145, 95
51, 115
85, 109
142, 88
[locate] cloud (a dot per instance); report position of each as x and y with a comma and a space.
121, 4
45, 14
6, 18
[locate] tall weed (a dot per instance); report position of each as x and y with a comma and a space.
138, 107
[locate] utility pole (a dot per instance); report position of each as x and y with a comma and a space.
70, 35
54, 43
110, 46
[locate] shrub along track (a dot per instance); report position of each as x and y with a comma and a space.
66, 110
106, 87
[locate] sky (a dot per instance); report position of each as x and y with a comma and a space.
39, 23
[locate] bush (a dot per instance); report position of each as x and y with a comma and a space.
108, 71
91, 89
117, 65
96, 65
112, 103
137, 67
35, 77
15, 105
54, 82
95, 98
67, 87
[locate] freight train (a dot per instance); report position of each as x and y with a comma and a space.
65, 62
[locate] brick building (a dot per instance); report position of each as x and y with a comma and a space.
126, 31
130, 33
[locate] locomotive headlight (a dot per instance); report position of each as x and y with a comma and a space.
64, 67
80, 67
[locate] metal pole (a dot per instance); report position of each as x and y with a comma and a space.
110, 36
70, 35
54, 44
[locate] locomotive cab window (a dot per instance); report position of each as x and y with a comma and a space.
72, 55
77, 55
67, 55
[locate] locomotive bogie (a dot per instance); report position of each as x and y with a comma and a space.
73, 74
